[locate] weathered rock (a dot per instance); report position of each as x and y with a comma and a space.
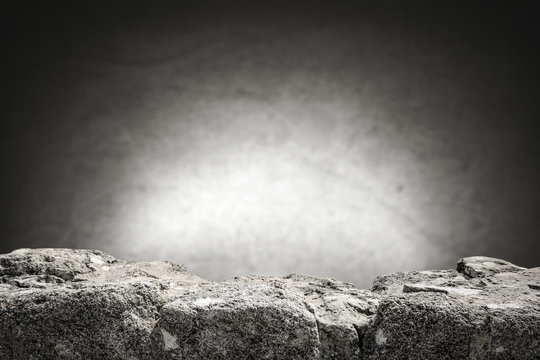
238, 321
83, 304
476, 266
80, 304
451, 314
342, 312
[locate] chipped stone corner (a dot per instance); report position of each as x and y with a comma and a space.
170, 342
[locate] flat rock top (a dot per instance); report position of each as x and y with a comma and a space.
85, 304
75, 269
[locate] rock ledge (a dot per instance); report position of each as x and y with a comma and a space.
85, 304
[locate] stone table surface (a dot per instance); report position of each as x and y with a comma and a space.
86, 304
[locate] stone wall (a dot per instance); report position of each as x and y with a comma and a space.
85, 304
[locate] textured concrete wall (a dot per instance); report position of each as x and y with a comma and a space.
342, 141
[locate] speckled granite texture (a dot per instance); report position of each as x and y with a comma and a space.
85, 304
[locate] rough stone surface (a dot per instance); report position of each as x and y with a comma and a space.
478, 266
492, 312
85, 304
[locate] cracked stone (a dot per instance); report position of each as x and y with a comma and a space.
85, 304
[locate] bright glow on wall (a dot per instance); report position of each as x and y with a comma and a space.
341, 139
274, 187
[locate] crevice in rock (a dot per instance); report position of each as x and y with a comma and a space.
310, 308
534, 286
360, 336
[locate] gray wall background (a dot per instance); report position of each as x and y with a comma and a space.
341, 140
